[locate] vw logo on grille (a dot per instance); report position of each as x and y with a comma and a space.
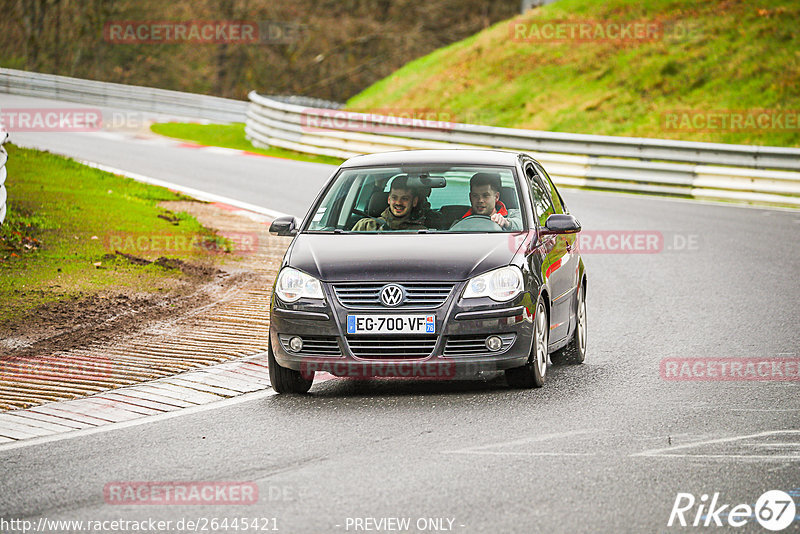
392, 295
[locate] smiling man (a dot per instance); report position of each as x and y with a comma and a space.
400, 214
484, 196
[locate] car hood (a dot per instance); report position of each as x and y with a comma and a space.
429, 257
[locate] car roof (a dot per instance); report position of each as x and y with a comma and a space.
448, 156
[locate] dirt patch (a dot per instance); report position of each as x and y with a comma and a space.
107, 318
195, 270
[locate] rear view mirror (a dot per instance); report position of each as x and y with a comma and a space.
284, 226
560, 224
426, 181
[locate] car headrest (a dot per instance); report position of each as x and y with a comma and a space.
508, 196
378, 202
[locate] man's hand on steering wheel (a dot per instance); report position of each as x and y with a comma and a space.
382, 224
500, 220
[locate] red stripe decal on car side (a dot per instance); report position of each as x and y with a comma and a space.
552, 268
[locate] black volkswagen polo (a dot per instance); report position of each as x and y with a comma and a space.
429, 264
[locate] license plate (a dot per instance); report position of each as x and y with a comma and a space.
391, 324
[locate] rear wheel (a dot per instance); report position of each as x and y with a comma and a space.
283, 379
532, 374
575, 351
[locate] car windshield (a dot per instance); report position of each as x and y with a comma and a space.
420, 199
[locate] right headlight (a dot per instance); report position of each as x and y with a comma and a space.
293, 285
501, 284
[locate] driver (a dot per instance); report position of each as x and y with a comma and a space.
484, 195
401, 213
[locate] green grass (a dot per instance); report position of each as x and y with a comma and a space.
737, 55
64, 218
231, 136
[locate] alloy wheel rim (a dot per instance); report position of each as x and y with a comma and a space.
582, 324
541, 341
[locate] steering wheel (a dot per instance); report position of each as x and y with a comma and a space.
382, 224
476, 223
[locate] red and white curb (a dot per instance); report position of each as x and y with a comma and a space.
206, 387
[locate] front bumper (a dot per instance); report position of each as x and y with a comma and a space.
456, 350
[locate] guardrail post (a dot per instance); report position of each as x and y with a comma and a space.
3, 174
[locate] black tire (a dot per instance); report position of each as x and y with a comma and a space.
286, 380
532, 374
574, 353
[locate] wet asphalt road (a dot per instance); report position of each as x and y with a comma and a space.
603, 447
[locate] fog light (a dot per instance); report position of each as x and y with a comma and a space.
296, 344
494, 343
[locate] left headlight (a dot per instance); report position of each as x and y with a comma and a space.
501, 284
293, 285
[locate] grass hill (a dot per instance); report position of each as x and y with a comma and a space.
706, 63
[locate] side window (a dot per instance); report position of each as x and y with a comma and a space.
554, 194
542, 205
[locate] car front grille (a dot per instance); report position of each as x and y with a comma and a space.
418, 294
391, 347
313, 345
475, 345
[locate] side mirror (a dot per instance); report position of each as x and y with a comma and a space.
560, 224
284, 226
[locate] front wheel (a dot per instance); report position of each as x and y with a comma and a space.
575, 351
283, 379
532, 374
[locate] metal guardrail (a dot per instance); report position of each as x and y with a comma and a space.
702, 170
3, 174
128, 97
307, 101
